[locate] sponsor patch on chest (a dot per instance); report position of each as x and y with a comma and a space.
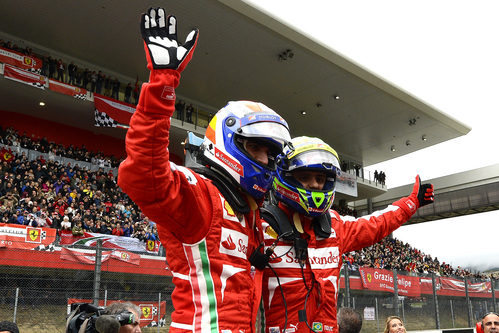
321, 258
233, 243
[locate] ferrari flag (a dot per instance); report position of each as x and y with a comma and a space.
66, 89
23, 76
112, 113
20, 60
23, 237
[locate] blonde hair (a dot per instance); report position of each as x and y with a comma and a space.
388, 320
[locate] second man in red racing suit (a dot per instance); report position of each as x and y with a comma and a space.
309, 273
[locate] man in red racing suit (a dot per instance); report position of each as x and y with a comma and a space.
207, 241
310, 279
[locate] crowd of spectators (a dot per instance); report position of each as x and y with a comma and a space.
11, 137
46, 193
393, 254
93, 80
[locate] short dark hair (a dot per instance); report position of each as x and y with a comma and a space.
9, 327
349, 321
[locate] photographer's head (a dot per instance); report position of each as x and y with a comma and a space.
132, 324
8, 327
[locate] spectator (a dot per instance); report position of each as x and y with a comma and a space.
490, 323
93, 81
118, 231
349, 321
127, 230
99, 82
52, 67
86, 78
188, 113
107, 86
394, 324
45, 66
136, 91
180, 107
72, 69
60, 70
116, 89
78, 230
128, 92
65, 224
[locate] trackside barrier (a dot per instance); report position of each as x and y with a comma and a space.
36, 285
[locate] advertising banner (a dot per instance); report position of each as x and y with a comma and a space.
382, 280
109, 241
20, 60
23, 76
16, 236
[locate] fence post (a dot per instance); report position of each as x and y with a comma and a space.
435, 300
159, 309
494, 305
468, 302
395, 294
98, 263
452, 314
15, 304
377, 314
347, 284
105, 297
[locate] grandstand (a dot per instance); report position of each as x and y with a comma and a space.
239, 56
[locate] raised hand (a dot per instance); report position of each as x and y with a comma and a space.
422, 192
163, 50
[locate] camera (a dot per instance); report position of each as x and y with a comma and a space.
88, 318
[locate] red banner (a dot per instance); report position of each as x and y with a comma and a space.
382, 280
16, 236
67, 89
86, 257
19, 60
148, 310
23, 76
110, 108
455, 284
109, 241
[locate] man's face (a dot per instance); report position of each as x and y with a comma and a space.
310, 179
258, 151
490, 323
132, 328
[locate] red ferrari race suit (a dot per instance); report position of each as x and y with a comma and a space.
322, 266
206, 244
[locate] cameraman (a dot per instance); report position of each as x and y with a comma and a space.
119, 308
